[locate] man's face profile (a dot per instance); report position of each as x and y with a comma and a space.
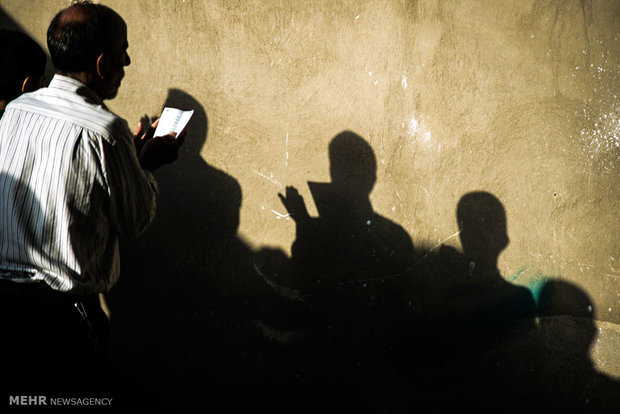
115, 58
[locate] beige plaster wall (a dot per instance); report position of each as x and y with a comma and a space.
515, 98
519, 99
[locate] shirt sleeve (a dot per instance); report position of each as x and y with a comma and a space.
132, 190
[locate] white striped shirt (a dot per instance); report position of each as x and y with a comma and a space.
70, 187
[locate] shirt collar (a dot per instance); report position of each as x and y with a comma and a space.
72, 85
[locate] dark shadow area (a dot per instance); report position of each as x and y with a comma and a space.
386, 325
351, 267
379, 326
554, 370
356, 318
463, 307
181, 313
7, 23
35, 324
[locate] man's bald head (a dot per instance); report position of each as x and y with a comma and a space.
79, 34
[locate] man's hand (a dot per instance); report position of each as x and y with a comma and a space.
153, 152
140, 136
294, 204
139, 133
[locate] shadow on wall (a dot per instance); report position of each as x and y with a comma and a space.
350, 266
568, 332
182, 311
385, 322
7, 23
356, 315
554, 371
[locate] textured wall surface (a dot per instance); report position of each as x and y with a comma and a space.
515, 99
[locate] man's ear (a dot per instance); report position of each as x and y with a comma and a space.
32, 84
28, 85
101, 64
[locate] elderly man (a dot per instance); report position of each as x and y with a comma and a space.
74, 180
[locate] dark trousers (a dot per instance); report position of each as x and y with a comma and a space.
51, 343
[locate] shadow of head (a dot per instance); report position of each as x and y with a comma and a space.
199, 124
352, 163
22, 64
559, 298
482, 224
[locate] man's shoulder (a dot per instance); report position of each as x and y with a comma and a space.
72, 108
391, 230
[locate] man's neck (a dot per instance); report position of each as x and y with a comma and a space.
83, 77
88, 79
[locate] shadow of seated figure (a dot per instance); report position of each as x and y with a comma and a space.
470, 304
563, 376
549, 366
351, 264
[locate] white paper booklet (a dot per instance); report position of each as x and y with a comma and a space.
172, 120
